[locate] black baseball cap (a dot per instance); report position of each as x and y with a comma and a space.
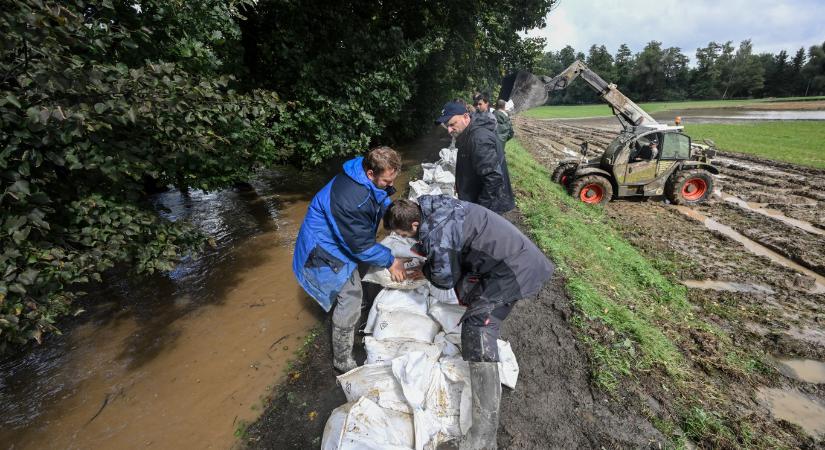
451, 109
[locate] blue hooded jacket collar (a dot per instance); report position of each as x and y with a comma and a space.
354, 169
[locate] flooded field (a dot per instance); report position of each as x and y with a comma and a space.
752, 257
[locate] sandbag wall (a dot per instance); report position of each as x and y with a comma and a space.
413, 392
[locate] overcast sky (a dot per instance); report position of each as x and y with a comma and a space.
771, 25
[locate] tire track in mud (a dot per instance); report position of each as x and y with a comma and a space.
789, 320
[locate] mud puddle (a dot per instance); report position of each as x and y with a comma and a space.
768, 212
727, 286
754, 247
795, 407
805, 370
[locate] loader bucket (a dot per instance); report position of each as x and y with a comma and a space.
524, 89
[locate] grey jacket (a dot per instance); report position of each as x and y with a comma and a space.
484, 257
481, 167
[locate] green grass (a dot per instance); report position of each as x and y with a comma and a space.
798, 142
602, 110
608, 279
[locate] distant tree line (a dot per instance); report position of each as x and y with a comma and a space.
722, 71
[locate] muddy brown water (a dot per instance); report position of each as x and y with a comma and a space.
180, 360
795, 407
805, 370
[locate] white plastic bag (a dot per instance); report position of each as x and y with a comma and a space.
401, 324
400, 247
448, 316
442, 176
448, 346
347, 429
375, 382
406, 300
387, 350
448, 156
507, 366
420, 187
414, 372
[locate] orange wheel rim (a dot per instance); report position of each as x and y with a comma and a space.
694, 189
592, 193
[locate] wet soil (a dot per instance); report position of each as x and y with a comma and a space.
787, 318
553, 406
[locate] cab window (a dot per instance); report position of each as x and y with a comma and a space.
676, 146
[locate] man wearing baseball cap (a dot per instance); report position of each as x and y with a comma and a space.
481, 169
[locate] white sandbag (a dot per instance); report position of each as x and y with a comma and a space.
448, 316
401, 324
447, 345
442, 176
509, 105
448, 156
414, 372
400, 247
507, 366
375, 382
450, 397
407, 300
363, 425
387, 350
442, 295
428, 171
420, 187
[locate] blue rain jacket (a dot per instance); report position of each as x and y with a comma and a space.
339, 232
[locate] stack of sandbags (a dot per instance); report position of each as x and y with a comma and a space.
414, 390
437, 178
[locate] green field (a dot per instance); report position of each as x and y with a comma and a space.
602, 110
796, 142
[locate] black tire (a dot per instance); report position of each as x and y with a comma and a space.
592, 189
689, 187
563, 174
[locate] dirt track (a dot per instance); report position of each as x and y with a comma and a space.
776, 304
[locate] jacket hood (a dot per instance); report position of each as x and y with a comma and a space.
483, 120
430, 204
354, 169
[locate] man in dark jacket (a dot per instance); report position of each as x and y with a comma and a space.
491, 265
481, 174
504, 129
337, 234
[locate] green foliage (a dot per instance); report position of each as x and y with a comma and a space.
86, 119
360, 71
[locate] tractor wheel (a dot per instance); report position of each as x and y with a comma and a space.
689, 187
593, 189
563, 174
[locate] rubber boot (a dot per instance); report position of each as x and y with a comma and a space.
486, 390
342, 341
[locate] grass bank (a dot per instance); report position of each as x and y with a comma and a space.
602, 110
796, 142
639, 328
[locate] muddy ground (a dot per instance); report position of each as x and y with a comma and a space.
776, 308
553, 406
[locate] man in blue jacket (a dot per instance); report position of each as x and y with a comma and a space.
337, 234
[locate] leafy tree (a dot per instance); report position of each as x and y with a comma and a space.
677, 75
649, 73
623, 67
742, 74
705, 78
814, 70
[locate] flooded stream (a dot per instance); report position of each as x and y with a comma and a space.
180, 360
